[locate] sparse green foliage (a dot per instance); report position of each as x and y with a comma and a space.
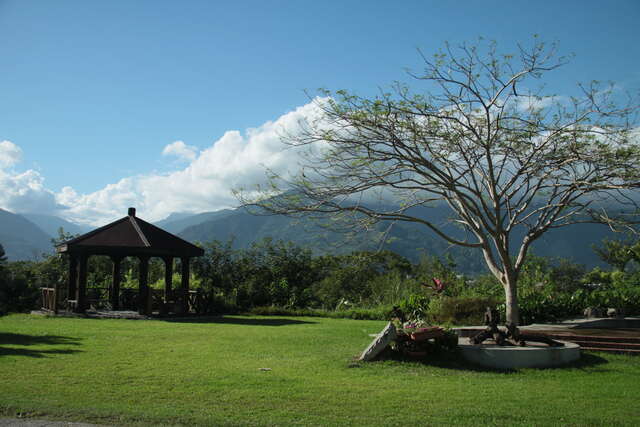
510, 161
619, 253
19, 286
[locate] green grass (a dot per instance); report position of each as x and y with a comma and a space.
208, 373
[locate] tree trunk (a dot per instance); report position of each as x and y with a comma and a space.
511, 300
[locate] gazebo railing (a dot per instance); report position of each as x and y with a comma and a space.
49, 299
53, 299
98, 297
128, 299
194, 300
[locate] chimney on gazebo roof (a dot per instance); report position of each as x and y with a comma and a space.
132, 212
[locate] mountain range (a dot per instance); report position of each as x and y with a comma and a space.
21, 238
28, 236
411, 240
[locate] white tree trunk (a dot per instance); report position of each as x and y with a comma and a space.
511, 300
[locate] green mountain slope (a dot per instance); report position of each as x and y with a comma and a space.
177, 222
410, 240
22, 239
51, 224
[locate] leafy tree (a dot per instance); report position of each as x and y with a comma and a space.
356, 278
619, 253
217, 267
19, 286
510, 162
567, 275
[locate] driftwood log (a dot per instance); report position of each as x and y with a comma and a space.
512, 336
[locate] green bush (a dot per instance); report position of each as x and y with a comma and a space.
378, 313
541, 306
460, 310
19, 287
416, 306
442, 309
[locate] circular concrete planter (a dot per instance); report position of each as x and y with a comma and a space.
508, 357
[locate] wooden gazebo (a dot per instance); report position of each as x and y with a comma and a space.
129, 236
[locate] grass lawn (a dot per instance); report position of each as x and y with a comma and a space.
209, 373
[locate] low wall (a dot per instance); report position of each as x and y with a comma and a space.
513, 357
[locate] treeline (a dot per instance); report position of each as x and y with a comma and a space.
279, 277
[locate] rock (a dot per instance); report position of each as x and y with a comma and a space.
379, 343
592, 312
614, 312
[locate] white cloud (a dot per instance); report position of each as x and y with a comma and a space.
205, 184
180, 150
10, 154
22, 191
25, 192
235, 160
532, 103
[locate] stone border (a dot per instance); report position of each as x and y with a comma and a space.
512, 357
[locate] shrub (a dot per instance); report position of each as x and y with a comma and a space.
19, 290
415, 306
460, 310
378, 313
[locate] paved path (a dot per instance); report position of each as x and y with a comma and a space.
29, 422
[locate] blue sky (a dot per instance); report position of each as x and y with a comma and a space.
93, 92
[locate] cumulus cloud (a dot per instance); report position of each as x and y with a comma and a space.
10, 154
205, 184
235, 160
180, 150
22, 191
535, 103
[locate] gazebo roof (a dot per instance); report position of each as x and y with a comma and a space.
130, 236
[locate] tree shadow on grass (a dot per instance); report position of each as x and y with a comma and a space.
23, 340
455, 361
589, 360
586, 361
249, 321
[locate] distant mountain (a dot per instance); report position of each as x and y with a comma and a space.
179, 221
407, 239
27, 238
51, 224
175, 216
410, 240
21, 238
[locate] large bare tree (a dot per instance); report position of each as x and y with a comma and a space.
502, 155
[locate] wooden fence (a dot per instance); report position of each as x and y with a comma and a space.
49, 299
99, 297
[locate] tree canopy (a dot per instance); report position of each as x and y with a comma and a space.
503, 155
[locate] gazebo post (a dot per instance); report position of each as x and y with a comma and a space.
168, 278
184, 261
115, 284
56, 293
82, 285
73, 277
144, 303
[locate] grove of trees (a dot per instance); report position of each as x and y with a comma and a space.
275, 277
